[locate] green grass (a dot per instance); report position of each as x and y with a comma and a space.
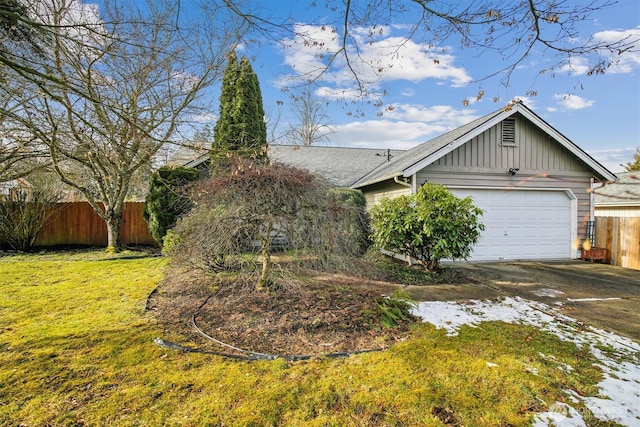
76, 349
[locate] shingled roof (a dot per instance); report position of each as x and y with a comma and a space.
342, 166
624, 192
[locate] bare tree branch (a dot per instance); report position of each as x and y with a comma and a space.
511, 29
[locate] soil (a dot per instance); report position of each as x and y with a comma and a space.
312, 315
321, 313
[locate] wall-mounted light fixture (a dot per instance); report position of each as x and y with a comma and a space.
513, 171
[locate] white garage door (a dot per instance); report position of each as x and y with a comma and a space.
522, 224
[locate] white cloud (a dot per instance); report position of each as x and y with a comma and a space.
444, 116
573, 102
403, 126
576, 66
344, 94
395, 58
621, 62
629, 60
184, 81
314, 53
384, 133
79, 20
307, 52
526, 100
204, 117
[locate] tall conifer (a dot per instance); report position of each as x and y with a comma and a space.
241, 129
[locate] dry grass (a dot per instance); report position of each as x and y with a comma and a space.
76, 349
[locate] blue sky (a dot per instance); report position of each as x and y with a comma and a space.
422, 99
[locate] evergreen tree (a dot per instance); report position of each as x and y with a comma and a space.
241, 129
165, 202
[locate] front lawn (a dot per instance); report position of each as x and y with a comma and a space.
76, 348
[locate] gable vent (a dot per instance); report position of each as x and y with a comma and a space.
509, 131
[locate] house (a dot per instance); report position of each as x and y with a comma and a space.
16, 188
621, 198
532, 182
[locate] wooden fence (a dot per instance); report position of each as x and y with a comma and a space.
621, 237
76, 223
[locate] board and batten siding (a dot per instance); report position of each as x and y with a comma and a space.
534, 150
484, 162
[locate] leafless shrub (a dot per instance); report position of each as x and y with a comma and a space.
23, 213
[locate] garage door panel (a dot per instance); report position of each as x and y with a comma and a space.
521, 224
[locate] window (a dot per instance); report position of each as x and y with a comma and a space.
509, 132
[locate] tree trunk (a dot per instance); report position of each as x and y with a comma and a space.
114, 223
265, 252
266, 267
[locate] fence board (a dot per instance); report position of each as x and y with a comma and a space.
621, 237
76, 223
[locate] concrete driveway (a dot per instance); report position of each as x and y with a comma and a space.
601, 295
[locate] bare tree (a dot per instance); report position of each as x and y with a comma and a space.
310, 126
24, 212
125, 82
513, 29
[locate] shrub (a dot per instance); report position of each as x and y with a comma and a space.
23, 214
166, 201
395, 308
429, 226
249, 206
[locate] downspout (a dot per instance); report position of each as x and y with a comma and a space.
403, 183
592, 198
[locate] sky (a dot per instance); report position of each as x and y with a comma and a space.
416, 90
422, 99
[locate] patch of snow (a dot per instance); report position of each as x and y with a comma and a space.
562, 366
590, 299
446, 315
621, 386
547, 292
560, 415
619, 391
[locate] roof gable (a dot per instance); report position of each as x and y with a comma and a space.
425, 154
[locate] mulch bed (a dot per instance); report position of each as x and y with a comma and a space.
319, 314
